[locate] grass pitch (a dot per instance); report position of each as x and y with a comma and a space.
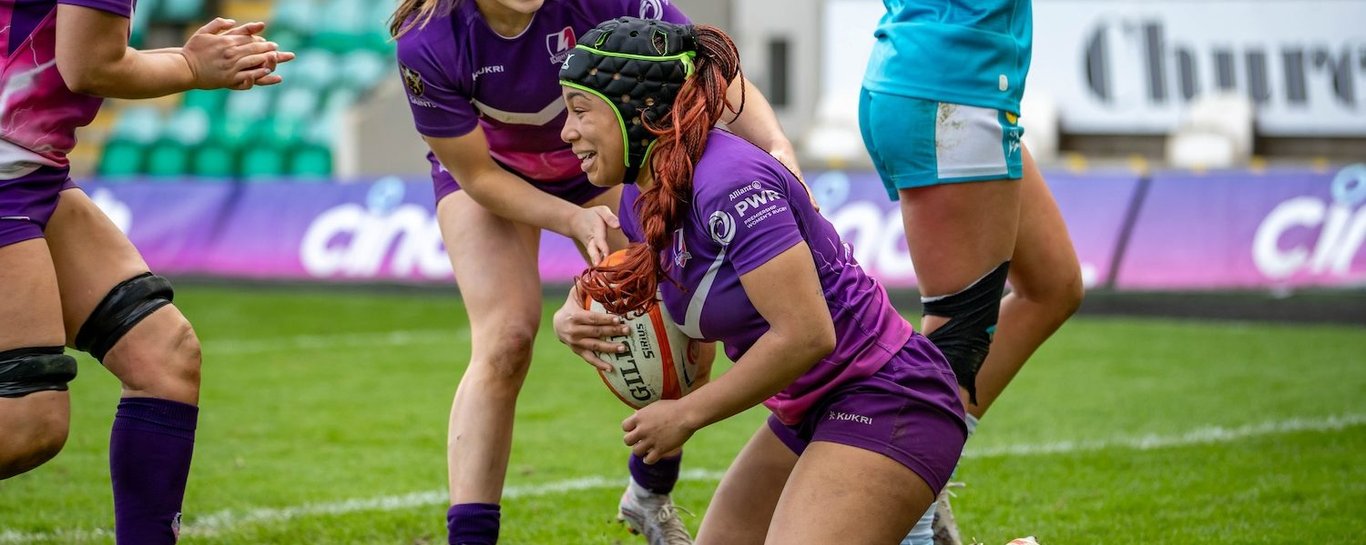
324, 417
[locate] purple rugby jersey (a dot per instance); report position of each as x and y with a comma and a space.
38, 114
746, 209
458, 72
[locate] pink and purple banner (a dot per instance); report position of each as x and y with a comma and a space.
1290, 228
1235, 229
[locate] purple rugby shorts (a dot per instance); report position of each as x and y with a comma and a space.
27, 203
908, 411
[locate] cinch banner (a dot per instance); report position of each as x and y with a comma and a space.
1172, 231
1288, 228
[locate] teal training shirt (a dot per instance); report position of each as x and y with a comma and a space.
972, 52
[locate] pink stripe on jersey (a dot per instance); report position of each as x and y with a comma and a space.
37, 110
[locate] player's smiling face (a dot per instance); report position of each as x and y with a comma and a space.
592, 131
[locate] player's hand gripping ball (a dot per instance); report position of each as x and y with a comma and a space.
660, 362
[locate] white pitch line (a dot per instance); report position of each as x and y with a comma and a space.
224, 522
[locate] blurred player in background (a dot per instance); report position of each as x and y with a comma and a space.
866, 423
939, 113
481, 80
68, 276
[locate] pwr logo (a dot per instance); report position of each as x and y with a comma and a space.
559, 44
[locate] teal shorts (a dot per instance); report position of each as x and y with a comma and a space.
919, 143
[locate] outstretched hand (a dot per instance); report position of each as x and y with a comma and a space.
589, 228
224, 55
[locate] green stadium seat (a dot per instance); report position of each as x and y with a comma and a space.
297, 103
121, 159
262, 162
142, 19
311, 162
344, 27
294, 16
364, 68
179, 11
214, 162
167, 159
314, 69
138, 124
212, 102
338, 100
253, 104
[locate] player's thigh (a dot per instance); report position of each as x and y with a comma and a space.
844, 494
1044, 266
30, 304
955, 169
91, 256
495, 264
743, 504
958, 233
30, 317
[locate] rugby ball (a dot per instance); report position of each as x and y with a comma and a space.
660, 362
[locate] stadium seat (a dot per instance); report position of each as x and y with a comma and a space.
314, 69
214, 161
121, 159
262, 163
1216, 132
211, 102
179, 11
168, 159
364, 68
346, 21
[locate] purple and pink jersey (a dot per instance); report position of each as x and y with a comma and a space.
747, 209
458, 72
38, 114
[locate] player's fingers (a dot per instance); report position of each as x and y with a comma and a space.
272, 79
608, 217
248, 29
588, 317
282, 57
253, 75
595, 361
215, 26
609, 330
252, 62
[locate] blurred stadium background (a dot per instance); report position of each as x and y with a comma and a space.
1209, 157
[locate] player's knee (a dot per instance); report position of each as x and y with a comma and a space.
965, 338
1061, 295
509, 355
123, 308
43, 435
182, 354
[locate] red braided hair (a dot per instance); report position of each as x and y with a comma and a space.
629, 285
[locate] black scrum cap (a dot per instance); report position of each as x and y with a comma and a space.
637, 66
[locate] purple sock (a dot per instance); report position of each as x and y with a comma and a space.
473, 523
658, 477
149, 460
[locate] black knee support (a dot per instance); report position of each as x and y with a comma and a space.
27, 370
125, 305
972, 313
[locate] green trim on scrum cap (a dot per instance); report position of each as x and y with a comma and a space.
638, 67
685, 57
625, 155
